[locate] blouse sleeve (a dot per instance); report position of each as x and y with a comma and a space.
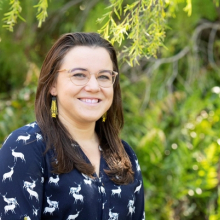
138, 207
21, 176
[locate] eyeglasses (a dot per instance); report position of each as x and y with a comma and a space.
81, 77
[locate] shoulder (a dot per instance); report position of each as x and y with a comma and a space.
23, 148
134, 160
128, 149
130, 152
27, 135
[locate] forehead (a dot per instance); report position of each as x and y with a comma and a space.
87, 57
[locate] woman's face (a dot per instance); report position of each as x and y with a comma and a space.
87, 103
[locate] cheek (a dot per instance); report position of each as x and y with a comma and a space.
110, 97
110, 94
66, 89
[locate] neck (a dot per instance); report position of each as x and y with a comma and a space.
83, 133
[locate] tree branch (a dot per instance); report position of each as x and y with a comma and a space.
174, 59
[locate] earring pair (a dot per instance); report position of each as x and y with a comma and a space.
54, 111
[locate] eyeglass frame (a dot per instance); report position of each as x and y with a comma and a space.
78, 68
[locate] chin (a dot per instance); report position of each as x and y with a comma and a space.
90, 120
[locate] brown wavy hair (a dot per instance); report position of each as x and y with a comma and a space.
55, 133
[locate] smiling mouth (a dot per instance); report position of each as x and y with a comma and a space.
90, 101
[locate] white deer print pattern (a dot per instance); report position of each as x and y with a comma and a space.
29, 189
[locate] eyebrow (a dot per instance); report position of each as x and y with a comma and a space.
77, 68
80, 68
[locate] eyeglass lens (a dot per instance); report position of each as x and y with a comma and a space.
79, 77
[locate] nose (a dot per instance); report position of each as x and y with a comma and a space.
92, 84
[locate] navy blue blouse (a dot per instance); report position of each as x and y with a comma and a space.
29, 190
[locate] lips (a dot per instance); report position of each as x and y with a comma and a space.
90, 101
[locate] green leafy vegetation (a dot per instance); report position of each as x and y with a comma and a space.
170, 98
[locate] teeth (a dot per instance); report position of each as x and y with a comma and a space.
94, 100
90, 100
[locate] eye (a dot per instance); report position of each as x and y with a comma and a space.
104, 76
79, 74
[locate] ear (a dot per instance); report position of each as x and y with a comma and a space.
53, 90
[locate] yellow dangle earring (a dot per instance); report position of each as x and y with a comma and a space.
53, 108
104, 117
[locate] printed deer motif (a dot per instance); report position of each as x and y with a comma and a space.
29, 184
24, 138
131, 207
72, 217
42, 179
17, 155
87, 180
101, 190
38, 136
138, 188
137, 166
131, 210
49, 210
103, 204
54, 180
143, 216
75, 189
10, 207
11, 204
117, 191
54, 204
131, 202
77, 197
32, 193
112, 215
35, 211
9, 174
31, 124
9, 201
42, 170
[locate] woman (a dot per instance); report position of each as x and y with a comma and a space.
71, 163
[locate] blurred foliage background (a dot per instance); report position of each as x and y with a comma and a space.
171, 103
